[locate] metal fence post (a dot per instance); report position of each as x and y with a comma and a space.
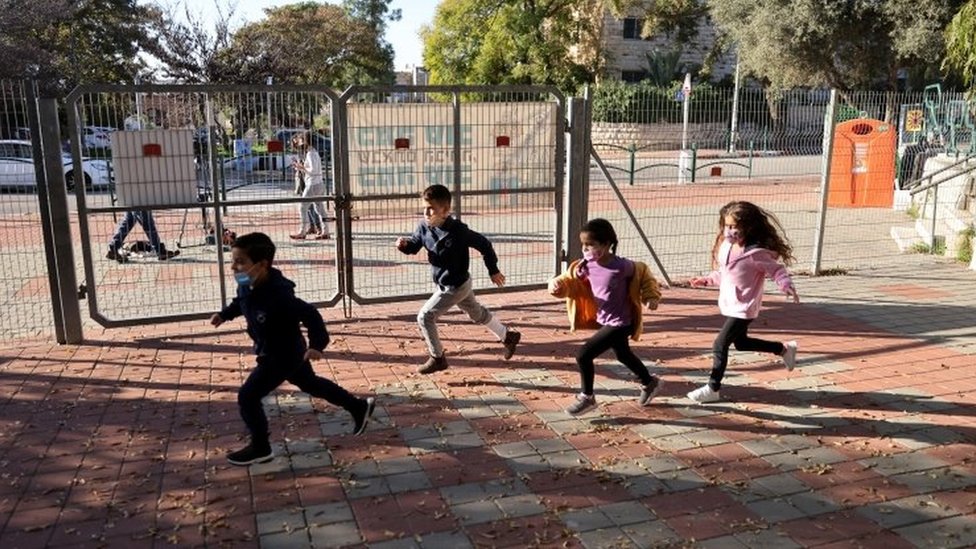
828, 153
578, 176
456, 154
633, 155
694, 161
52, 196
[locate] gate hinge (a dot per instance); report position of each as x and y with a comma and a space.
343, 202
82, 291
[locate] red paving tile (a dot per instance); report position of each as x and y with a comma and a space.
122, 441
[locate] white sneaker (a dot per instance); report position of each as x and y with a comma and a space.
582, 404
704, 394
789, 355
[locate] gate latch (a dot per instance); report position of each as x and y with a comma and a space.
82, 291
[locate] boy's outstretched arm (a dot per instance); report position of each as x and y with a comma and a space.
478, 241
318, 336
230, 312
411, 244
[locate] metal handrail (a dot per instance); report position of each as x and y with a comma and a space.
932, 175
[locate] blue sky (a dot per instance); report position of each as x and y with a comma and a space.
403, 34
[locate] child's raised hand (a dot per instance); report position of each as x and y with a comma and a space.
314, 354
216, 320
555, 286
401, 243
790, 292
698, 281
498, 279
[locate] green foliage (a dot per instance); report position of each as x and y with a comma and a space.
663, 67
647, 103
964, 253
960, 45
65, 44
846, 45
508, 42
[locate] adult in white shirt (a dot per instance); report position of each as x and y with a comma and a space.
311, 169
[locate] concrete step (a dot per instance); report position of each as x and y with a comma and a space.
906, 238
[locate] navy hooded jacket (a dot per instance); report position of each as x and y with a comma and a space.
274, 315
447, 250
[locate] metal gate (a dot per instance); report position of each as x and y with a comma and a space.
192, 161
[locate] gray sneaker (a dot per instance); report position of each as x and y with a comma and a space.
648, 392
433, 364
583, 404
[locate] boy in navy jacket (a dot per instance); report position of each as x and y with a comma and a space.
274, 314
447, 241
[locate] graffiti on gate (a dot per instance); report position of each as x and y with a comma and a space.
401, 148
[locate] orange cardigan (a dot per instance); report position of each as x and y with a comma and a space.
581, 306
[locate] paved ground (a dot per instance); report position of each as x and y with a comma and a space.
120, 442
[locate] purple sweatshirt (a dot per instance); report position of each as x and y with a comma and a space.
740, 279
610, 286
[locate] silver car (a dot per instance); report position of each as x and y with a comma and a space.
17, 168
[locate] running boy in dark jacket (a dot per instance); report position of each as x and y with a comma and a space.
447, 241
274, 314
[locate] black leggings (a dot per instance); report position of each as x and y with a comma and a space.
609, 337
268, 375
734, 332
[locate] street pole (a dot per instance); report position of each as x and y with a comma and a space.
684, 157
270, 130
734, 132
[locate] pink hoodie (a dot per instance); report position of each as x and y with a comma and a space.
740, 280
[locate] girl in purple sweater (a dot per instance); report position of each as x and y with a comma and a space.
747, 250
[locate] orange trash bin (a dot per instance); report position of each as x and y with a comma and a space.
862, 169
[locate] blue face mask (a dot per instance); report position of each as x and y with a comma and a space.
243, 279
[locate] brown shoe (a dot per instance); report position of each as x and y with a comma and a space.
298, 236
512, 339
433, 364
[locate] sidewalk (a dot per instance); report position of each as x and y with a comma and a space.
121, 442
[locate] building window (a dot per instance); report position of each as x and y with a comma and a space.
632, 76
632, 28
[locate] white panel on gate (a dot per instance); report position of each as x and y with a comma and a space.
154, 167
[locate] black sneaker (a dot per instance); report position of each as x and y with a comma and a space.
251, 454
649, 391
168, 254
433, 364
362, 419
512, 339
117, 255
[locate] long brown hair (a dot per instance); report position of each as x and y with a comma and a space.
757, 228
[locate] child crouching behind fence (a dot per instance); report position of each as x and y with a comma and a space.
274, 315
606, 291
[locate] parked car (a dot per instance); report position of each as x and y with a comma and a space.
17, 168
97, 137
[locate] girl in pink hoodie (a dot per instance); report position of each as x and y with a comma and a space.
747, 250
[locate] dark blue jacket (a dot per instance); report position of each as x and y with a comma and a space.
274, 315
447, 250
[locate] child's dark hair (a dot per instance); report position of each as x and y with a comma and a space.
256, 246
602, 231
437, 194
757, 228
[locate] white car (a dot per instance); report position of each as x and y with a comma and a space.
17, 168
97, 137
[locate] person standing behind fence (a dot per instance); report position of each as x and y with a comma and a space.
607, 291
310, 167
747, 250
128, 221
447, 241
274, 317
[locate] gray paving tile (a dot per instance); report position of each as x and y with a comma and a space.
328, 513
297, 539
520, 506
766, 539
446, 540
407, 464
477, 512
775, 510
605, 538
627, 512
280, 521
650, 534
935, 480
951, 532
407, 482
906, 462
904, 511
400, 543
812, 503
586, 519
339, 534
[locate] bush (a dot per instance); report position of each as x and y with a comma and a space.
648, 103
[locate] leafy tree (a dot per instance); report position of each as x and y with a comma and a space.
854, 44
187, 51
65, 43
306, 43
376, 14
960, 45
514, 42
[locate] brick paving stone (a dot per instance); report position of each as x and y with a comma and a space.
949, 532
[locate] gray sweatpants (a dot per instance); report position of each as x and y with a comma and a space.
441, 302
